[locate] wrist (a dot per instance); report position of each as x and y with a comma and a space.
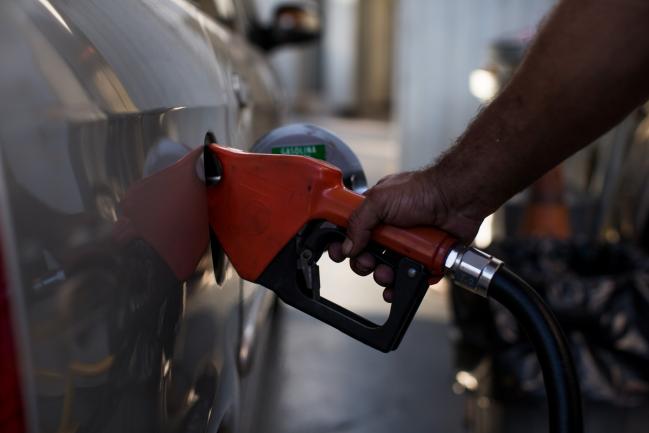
485, 166
459, 192
461, 218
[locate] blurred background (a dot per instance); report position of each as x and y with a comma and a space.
399, 80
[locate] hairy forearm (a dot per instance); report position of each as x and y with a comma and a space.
587, 69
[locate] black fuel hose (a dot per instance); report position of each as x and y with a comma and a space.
551, 345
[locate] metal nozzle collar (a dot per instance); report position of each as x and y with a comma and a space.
471, 268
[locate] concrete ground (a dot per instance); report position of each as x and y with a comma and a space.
322, 381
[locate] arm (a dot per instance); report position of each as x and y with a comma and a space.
587, 68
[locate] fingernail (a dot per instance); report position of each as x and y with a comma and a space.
347, 247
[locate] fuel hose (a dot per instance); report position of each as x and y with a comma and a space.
486, 276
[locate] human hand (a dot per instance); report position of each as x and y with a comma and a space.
405, 200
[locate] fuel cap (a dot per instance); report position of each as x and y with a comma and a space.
313, 141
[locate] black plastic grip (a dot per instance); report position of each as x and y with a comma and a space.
410, 285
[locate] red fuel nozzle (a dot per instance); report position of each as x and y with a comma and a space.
262, 201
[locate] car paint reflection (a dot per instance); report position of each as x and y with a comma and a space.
125, 331
108, 301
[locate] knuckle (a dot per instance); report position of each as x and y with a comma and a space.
352, 224
370, 194
361, 215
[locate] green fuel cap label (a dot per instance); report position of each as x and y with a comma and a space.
317, 151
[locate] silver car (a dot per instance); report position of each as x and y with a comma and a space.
118, 310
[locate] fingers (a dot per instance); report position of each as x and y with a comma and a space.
359, 230
364, 264
388, 295
383, 275
360, 271
336, 252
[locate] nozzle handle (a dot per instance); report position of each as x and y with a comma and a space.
294, 288
426, 245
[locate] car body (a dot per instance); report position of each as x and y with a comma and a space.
120, 314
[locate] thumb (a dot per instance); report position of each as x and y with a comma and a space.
360, 225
